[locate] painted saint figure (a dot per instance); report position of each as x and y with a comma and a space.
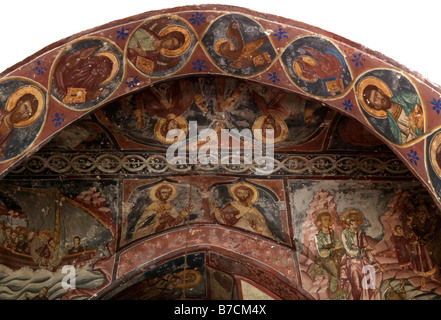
286, 114
330, 250
11, 238
158, 45
317, 66
240, 213
160, 214
169, 123
242, 55
22, 244
23, 107
358, 255
56, 252
402, 111
81, 75
40, 250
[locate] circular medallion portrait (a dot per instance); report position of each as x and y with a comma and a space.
391, 104
317, 67
22, 116
87, 73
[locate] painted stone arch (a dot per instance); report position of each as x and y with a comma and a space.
273, 265
74, 78
262, 48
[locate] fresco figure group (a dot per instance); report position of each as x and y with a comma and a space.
42, 246
350, 259
343, 260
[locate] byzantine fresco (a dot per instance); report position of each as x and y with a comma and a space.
198, 275
249, 207
47, 227
86, 73
22, 116
160, 46
238, 45
353, 234
266, 57
157, 206
216, 103
392, 105
350, 134
113, 205
317, 66
154, 206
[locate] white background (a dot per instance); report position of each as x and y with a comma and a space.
408, 32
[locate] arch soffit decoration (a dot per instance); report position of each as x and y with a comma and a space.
273, 261
284, 42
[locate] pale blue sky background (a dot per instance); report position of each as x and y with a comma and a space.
402, 30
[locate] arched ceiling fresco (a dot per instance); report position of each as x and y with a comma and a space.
224, 41
84, 125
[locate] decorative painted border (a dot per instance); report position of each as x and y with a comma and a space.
108, 164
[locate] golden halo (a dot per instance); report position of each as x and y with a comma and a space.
345, 216
152, 193
243, 184
434, 146
298, 69
283, 128
115, 65
181, 49
182, 125
220, 42
13, 99
380, 85
318, 215
197, 278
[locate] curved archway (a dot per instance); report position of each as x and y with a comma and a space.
153, 63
